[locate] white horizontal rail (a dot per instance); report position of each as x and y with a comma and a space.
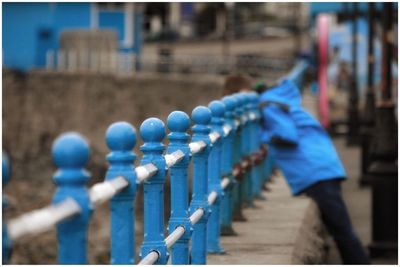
196, 147
174, 236
196, 216
252, 116
235, 172
227, 129
150, 258
214, 136
145, 171
39, 221
173, 158
212, 197
225, 182
104, 191
237, 122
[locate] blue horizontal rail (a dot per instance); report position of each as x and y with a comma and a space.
230, 166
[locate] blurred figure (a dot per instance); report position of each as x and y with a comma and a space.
305, 154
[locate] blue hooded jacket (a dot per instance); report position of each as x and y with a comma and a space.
299, 145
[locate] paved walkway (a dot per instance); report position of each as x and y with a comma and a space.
271, 234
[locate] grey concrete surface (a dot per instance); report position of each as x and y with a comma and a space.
281, 230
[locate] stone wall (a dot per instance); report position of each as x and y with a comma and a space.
38, 106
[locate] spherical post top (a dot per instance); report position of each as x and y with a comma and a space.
229, 102
70, 150
6, 169
152, 130
201, 115
178, 121
217, 108
121, 136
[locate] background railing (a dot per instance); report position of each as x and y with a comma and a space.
128, 63
230, 166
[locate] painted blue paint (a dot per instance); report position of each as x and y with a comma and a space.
246, 194
179, 122
22, 23
227, 167
6, 243
201, 117
214, 177
256, 144
31, 29
237, 155
113, 20
70, 154
152, 132
121, 139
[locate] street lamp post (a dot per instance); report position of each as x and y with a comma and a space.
368, 117
383, 168
353, 118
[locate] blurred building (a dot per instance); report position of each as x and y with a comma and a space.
174, 21
31, 30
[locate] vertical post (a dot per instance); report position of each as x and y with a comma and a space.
247, 195
178, 123
369, 107
257, 167
201, 117
152, 132
237, 153
6, 243
383, 170
353, 123
214, 177
121, 139
71, 154
227, 168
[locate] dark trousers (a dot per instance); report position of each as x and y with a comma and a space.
328, 196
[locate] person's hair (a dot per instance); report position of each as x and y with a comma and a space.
235, 83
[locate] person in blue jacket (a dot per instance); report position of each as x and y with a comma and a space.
305, 154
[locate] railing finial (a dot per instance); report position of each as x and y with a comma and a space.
201, 117
152, 132
214, 177
70, 154
121, 139
179, 122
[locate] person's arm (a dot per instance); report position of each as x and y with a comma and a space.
278, 127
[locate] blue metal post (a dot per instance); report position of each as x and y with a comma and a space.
246, 149
179, 122
201, 117
257, 169
121, 139
214, 177
152, 132
6, 243
237, 156
70, 154
227, 167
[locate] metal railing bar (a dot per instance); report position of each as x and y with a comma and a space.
41, 220
196, 147
102, 192
145, 171
173, 158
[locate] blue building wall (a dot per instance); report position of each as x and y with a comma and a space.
22, 25
32, 29
113, 20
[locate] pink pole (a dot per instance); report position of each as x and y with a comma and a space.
323, 51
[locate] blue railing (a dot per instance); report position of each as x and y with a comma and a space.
224, 138
230, 166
